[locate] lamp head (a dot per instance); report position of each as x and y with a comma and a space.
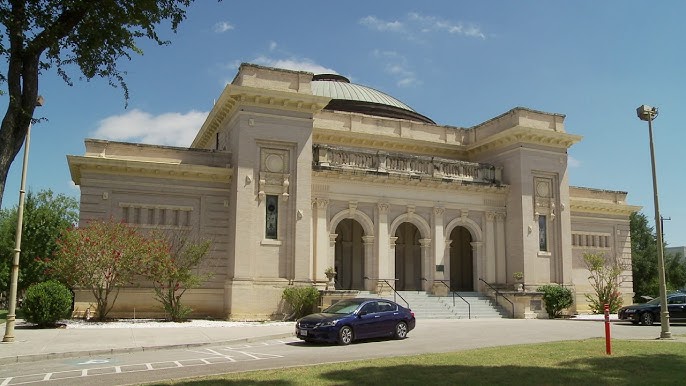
646, 113
40, 100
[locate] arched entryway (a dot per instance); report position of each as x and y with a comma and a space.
408, 258
461, 260
349, 256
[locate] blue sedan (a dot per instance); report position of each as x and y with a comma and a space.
357, 318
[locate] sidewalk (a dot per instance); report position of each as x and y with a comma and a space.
38, 344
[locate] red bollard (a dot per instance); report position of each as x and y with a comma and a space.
608, 343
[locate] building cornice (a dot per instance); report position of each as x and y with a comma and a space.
527, 135
234, 96
606, 208
379, 142
79, 164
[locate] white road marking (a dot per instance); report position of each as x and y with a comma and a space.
139, 367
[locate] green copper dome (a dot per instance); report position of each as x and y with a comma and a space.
346, 96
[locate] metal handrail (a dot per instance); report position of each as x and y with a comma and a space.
395, 293
498, 293
469, 306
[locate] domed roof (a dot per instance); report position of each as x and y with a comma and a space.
346, 96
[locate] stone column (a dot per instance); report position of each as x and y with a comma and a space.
477, 252
321, 241
439, 247
500, 260
489, 258
390, 263
370, 263
427, 263
386, 260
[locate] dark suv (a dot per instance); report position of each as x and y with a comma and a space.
648, 313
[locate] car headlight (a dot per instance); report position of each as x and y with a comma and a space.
330, 323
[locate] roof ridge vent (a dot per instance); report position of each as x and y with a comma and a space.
331, 78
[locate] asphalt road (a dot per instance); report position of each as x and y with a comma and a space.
430, 336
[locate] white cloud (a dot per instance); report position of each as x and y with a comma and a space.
417, 24
222, 27
175, 129
397, 66
573, 162
296, 64
381, 25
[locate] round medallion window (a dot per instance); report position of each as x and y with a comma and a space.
274, 163
543, 189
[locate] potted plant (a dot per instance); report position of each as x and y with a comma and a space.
519, 278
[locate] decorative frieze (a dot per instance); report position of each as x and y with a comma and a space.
412, 166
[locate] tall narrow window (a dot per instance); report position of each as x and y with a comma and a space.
542, 233
272, 217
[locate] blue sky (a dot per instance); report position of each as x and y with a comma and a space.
457, 62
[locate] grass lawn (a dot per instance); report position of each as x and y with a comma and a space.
559, 363
3, 316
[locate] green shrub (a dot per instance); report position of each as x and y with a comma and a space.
556, 299
46, 303
301, 300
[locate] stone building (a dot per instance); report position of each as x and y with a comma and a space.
293, 173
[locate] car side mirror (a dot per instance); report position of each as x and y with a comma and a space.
362, 313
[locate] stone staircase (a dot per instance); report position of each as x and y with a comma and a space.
427, 306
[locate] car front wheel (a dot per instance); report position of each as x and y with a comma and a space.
345, 335
401, 330
647, 319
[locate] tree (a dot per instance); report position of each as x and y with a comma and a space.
644, 261
643, 257
675, 271
102, 257
63, 34
46, 215
604, 275
173, 264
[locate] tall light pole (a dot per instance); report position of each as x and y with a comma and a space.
12, 315
647, 113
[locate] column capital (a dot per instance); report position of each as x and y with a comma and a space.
425, 243
490, 216
500, 216
438, 211
367, 239
332, 238
320, 203
383, 207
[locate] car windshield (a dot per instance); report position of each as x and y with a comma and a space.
342, 307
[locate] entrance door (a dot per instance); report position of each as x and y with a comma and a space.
461, 260
349, 260
408, 258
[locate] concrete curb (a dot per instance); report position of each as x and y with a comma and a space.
125, 350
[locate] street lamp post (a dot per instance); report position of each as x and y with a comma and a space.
647, 113
12, 312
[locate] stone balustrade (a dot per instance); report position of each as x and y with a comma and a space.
327, 157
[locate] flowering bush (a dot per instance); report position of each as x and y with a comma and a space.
173, 266
100, 257
604, 278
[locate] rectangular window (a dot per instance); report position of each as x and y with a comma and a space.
271, 217
542, 233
